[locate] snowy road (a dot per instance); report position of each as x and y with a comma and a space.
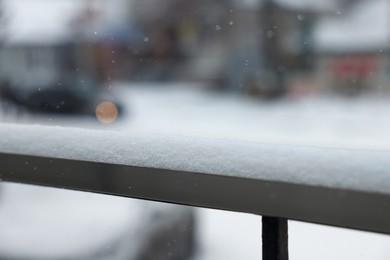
333, 122
360, 123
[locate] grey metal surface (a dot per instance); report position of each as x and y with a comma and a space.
332, 206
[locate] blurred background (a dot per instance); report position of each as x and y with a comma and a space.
301, 72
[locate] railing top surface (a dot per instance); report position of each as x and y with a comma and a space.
361, 170
349, 188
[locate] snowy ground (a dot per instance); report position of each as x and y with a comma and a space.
343, 122
226, 235
63, 219
352, 123
186, 109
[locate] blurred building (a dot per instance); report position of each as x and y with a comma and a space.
252, 46
39, 48
47, 42
277, 46
352, 48
256, 47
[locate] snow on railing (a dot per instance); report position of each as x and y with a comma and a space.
338, 187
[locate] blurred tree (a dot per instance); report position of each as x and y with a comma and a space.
270, 44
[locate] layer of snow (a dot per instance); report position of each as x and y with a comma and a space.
364, 27
351, 123
366, 170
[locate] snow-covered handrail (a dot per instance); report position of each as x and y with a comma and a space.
339, 187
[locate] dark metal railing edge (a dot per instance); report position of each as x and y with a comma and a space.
335, 207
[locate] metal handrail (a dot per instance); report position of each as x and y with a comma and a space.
62, 157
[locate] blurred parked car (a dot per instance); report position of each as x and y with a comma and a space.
66, 98
48, 223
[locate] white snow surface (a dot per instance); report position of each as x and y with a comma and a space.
341, 168
47, 223
364, 27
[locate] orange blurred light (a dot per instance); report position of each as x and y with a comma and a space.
106, 112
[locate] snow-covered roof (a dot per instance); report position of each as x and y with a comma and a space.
50, 22
39, 21
364, 27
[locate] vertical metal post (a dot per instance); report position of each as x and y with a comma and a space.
275, 238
